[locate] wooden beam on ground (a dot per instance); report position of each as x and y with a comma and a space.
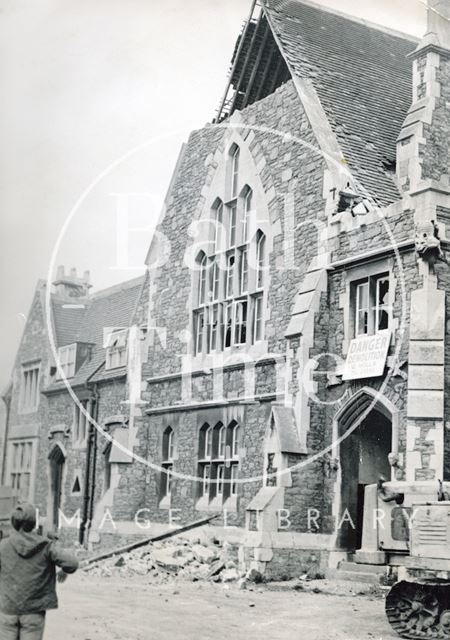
143, 543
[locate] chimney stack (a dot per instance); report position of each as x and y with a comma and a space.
69, 286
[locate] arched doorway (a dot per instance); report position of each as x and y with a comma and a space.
57, 460
363, 459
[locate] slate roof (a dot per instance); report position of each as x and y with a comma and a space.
363, 79
112, 307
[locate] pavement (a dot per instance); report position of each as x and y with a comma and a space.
96, 608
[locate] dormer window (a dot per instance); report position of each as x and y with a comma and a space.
116, 349
67, 359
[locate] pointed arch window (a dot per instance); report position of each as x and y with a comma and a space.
218, 226
260, 259
230, 276
107, 468
243, 271
168, 452
231, 284
203, 280
246, 220
218, 461
222, 441
234, 440
208, 443
232, 220
235, 159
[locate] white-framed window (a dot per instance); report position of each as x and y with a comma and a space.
220, 478
203, 281
382, 307
243, 271
235, 157
218, 460
168, 451
222, 441
229, 276
214, 336
233, 479
232, 216
208, 443
260, 259
240, 323
234, 441
246, 220
199, 327
218, 227
67, 358
258, 318
372, 311
228, 324
206, 479
215, 281
21, 456
116, 349
29, 392
229, 291
81, 421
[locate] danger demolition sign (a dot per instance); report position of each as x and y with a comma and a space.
366, 356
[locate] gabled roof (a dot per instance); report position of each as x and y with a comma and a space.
360, 72
363, 78
112, 307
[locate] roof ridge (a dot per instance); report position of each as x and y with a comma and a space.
115, 288
347, 16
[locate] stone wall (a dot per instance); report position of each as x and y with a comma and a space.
292, 178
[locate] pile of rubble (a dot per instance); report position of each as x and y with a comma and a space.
162, 561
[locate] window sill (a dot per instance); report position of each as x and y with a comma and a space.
230, 504
224, 359
205, 505
165, 503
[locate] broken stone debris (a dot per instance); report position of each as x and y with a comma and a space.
163, 561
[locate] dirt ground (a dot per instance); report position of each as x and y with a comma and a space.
93, 608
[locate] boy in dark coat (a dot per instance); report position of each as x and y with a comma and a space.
28, 564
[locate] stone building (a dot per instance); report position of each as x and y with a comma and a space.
303, 355
70, 370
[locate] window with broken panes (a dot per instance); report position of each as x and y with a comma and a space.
229, 294
116, 349
372, 311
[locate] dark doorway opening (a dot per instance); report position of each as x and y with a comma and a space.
56, 461
363, 458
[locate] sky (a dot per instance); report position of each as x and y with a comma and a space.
97, 98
